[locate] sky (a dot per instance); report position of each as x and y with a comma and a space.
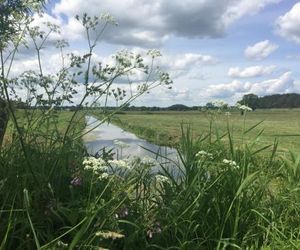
213, 50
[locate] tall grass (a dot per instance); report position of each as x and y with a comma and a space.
221, 195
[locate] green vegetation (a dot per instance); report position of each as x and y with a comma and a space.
163, 127
226, 191
291, 100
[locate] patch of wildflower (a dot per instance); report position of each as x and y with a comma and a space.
231, 163
162, 179
109, 18
148, 161
220, 104
203, 154
227, 113
103, 176
243, 107
97, 165
154, 53
110, 235
121, 164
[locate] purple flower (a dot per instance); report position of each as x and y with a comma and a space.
76, 182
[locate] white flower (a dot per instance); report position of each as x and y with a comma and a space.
220, 104
108, 18
204, 154
103, 176
227, 113
162, 179
121, 164
243, 107
148, 161
154, 53
97, 165
231, 163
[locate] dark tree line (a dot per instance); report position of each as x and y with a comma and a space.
271, 101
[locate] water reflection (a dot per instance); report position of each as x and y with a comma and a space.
105, 135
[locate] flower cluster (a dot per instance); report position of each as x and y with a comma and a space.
154, 53
94, 164
243, 107
148, 161
220, 104
204, 154
162, 179
109, 18
231, 163
121, 164
97, 165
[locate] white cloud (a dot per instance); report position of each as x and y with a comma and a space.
283, 84
288, 25
260, 50
253, 71
225, 90
181, 64
151, 23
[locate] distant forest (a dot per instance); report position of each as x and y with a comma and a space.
253, 101
291, 100
272, 101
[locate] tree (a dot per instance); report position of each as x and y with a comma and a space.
251, 100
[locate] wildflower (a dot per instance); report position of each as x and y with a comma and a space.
109, 18
154, 53
148, 161
76, 181
97, 165
103, 176
162, 179
204, 154
121, 164
227, 113
220, 104
243, 107
231, 163
110, 235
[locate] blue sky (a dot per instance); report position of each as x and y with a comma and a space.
213, 50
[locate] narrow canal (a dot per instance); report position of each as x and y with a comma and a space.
123, 144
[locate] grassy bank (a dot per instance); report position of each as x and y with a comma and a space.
163, 128
222, 195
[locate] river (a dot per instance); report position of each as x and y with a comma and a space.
122, 143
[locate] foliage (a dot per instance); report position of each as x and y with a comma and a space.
272, 101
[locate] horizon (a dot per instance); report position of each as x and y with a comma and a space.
245, 48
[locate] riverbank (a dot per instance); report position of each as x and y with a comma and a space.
55, 196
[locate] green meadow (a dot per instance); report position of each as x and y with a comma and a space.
164, 128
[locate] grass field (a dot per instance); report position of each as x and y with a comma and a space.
36, 122
164, 128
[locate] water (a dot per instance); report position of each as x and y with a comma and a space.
104, 136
